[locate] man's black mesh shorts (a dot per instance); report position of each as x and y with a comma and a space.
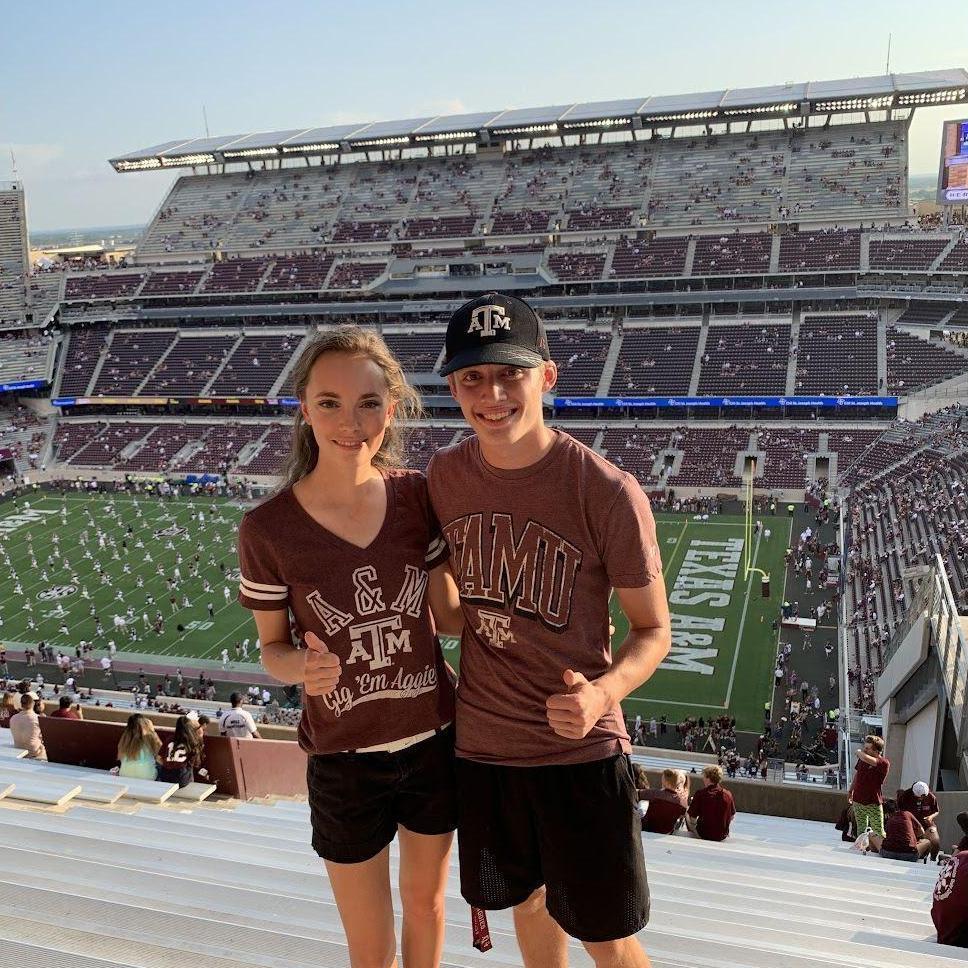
576, 829
356, 800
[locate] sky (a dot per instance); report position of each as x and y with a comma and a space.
84, 82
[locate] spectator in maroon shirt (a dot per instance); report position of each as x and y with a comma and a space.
64, 711
949, 909
865, 792
920, 801
904, 836
712, 808
667, 806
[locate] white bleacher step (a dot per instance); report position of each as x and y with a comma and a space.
48, 792
146, 791
846, 903
38, 956
194, 792
92, 792
12, 753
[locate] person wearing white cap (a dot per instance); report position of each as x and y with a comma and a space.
920, 801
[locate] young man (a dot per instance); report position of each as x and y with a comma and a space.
712, 808
865, 792
541, 529
667, 806
920, 801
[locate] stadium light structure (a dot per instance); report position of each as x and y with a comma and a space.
251, 153
182, 160
447, 136
603, 123
310, 149
807, 99
143, 164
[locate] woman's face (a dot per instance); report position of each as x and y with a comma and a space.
347, 405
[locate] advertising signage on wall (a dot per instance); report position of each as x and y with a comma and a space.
562, 403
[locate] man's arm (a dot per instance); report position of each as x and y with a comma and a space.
445, 601
574, 713
867, 758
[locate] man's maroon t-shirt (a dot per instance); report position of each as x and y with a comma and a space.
921, 807
899, 834
713, 809
64, 714
949, 909
536, 552
368, 605
868, 780
666, 808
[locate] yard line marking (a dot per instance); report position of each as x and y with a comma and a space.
742, 624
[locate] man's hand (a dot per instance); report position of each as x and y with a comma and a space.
574, 713
322, 667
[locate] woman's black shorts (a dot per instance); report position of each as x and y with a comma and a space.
356, 800
576, 829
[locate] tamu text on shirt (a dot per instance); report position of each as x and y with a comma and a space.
533, 574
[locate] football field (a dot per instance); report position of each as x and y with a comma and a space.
723, 647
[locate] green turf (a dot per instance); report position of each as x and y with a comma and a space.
729, 667
203, 637
723, 642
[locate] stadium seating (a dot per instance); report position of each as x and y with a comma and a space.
110, 285
843, 172
636, 451
299, 272
957, 259
580, 355
216, 897
657, 360
906, 253
130, 358
189, 365
235, 275
709, 456
180, 283
838, 354
83, 349
255, 364
573, 266
913, 362
25, 357
749, 358
659, 257
417, 352
722, 254
355, 275
824, 251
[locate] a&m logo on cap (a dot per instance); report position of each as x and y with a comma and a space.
486, 320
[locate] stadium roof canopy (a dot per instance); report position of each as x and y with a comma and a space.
785, 101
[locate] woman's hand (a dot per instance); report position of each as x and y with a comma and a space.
322, 668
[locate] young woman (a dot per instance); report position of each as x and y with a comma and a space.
179, 757
7, 709
138, 748
350, 546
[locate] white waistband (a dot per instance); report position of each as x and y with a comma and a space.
400, 744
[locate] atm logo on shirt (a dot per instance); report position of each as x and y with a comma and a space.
533, 573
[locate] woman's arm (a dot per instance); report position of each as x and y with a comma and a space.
315, 667
280, 658
445, 601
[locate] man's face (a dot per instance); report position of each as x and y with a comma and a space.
871, 750
501, 402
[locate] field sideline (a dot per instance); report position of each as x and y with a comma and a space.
723, 643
